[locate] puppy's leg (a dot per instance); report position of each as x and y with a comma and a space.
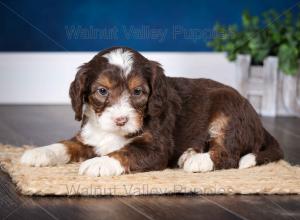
219, 156
142, 154
216, 158
223, 158
50, 155
56, 154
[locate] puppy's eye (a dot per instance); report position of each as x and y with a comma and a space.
102, 91
137, 91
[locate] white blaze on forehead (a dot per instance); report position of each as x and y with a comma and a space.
122, 58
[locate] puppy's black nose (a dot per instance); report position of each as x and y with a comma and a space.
121, 121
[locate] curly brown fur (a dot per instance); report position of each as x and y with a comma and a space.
171, 116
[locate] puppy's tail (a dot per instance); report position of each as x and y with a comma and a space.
270, 150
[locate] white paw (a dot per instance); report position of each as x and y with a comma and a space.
101, 166
249, 160
200, 162
186, 154
39, 157
45, 156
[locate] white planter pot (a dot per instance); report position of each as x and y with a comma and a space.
270, 91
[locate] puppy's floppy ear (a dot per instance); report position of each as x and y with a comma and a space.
76, 91
159, 90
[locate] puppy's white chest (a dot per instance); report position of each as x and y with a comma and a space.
104, 142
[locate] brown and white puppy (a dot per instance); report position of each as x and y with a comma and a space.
135, 119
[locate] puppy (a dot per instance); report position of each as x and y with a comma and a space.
136, 119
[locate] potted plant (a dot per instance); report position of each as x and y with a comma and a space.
267, 54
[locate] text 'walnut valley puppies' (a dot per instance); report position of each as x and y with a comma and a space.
136, 119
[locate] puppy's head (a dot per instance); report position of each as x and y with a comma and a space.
119, 88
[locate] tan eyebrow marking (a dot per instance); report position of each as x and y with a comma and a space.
105, 81
135, 81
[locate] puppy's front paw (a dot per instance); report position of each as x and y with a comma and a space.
200, 162
45, 156
39, 157
101, 166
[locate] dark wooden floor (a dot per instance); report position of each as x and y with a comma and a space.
41, 125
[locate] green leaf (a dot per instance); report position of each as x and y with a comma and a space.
288, 59
275, 35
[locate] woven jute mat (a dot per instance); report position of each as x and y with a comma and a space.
274, 178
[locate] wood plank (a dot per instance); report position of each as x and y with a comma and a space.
29, 210
88, 208
290, 204
178, 207
251, 207
9, 199
288, 124
14, 206
9, 135
40, 125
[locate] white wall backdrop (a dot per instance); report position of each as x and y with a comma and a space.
44, 78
